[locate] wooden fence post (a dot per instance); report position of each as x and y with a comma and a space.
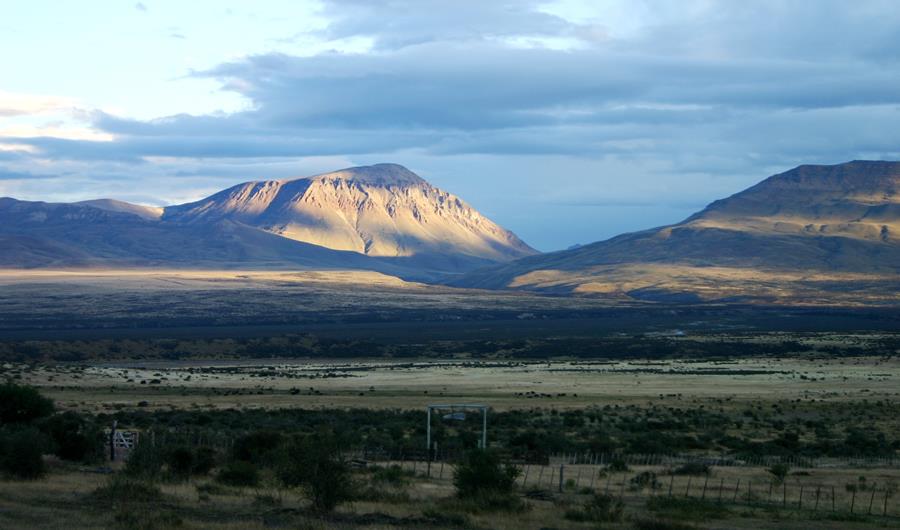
705, 482
736, 490
562, 469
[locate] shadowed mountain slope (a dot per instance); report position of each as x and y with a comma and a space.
821, 223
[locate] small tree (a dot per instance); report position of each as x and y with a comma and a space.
21, 454
315, 464
483, 475
779, 472
22, 404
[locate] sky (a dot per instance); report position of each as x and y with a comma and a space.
567, 122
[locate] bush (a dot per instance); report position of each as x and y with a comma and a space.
315, 464
22, 404
687, 509
779, 472
204, 461
74, 438
180, 462
21, 454
692, 468
239, 473
600, 508
145, 462
393, 475
259, 447
657, 524
644, 480
121, 489
483, 478
617, 466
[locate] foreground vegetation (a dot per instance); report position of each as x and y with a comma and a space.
299, 468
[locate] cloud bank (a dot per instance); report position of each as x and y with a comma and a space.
538, 105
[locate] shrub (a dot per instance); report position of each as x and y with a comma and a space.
617, 466
483, 482
21, 454
74, 438
121, 489
658, 524
393, 475
315, 464
692, 468
646, 479
204, 461
687, 509
145, 462
779, 472
259, 447
600, 508
22, 404
239, 473
180, 462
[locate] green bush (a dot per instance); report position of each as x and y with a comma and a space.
779, 472
483, 479
692, 468
124, 489
393, 475
600, 508
204, 461
74, 438
658, 524
315, 464
21, 454
259, 447
617, 466
180, 462
239, 473
145, 462
644, 480
687, 509
22, 404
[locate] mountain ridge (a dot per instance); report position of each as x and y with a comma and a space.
823, 221
381, 217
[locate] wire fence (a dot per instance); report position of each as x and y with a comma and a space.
794, 493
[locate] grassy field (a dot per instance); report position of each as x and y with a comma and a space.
69, 498
210, 361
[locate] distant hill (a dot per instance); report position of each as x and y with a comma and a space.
808, 232
383, 217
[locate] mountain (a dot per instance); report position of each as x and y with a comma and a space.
812, 231
381, 217
383, 210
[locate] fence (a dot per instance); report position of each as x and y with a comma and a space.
794, 493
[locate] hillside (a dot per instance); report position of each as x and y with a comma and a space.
806, 232
383, 218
